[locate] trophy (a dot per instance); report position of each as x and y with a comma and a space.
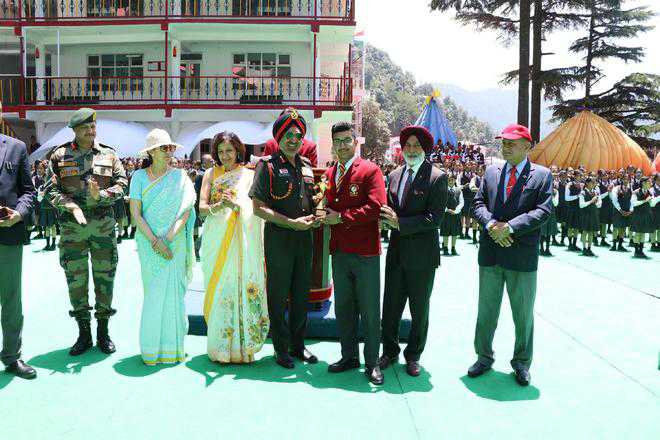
320, 212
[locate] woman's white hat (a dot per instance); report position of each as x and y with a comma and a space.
157, 138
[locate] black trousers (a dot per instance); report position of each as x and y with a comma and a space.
11, 263
357, 302
288, 279
406, 285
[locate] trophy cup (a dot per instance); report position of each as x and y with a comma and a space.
320, 212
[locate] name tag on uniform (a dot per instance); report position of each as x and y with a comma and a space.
69, 172
102, 170
103, 162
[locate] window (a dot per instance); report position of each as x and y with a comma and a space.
117, 72
249, 69
267, 8
191, 66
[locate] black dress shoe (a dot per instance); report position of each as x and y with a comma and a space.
343, 365
413, 368
21, 369
284, 360
522, 376
375, 375
385, 361
477, 369
305, 356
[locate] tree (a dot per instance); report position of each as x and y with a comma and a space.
608, 22
632, 104
375, 131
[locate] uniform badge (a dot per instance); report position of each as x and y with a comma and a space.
353, 189
283, 172
69, 172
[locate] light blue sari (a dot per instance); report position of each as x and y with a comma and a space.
164, 323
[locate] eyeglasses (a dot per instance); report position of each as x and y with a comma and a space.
345, 141
293, 136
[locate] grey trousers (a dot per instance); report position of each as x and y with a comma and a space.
357, 298
521, 287
11, 309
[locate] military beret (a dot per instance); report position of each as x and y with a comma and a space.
424, 137
288, 119
82, 116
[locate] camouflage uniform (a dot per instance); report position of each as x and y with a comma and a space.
71, 168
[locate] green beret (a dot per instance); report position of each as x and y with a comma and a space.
82, 116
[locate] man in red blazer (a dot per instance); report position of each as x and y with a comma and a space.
354, 195
307, 150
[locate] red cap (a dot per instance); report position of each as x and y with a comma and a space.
515, 131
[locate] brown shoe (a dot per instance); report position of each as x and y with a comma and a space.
413, 368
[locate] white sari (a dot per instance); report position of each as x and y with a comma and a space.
232, 256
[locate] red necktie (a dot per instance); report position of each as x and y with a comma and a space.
512, 181
340, 177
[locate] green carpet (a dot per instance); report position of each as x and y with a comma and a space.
595, 372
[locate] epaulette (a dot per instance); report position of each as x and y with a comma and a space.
55, 148
107, 146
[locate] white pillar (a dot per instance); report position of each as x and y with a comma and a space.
40, 73
175, 72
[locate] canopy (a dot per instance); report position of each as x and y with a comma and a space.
249, 132
589, 140
127, 138
434, 120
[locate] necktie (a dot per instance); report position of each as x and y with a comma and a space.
340, 174
406, 186
512, 181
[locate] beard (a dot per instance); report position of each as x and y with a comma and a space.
413, 160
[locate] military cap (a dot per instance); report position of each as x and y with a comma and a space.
288, 118
82, 116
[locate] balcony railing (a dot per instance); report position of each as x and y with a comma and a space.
219, 90
69, 10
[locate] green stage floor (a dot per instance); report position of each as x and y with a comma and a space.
595, 373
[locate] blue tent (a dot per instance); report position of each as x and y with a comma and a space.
434, 120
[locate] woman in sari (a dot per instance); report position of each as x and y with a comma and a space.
235, 306
162, 205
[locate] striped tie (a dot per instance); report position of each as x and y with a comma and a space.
340, 176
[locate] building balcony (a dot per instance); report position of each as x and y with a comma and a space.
232, 92
81, 12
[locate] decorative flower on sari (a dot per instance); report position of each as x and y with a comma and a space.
252, 292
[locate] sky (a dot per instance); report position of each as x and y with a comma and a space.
436, 48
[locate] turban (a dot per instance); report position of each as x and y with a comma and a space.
424, 137
287, 120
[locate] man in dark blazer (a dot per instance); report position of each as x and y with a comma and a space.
417, 197
355, 193
17, 198
513, 201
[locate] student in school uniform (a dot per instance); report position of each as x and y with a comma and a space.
589, 202
655, 204
562, 207
605, 211
641, 221
451, 222
621, 196
475, 183
549, 228
572, 194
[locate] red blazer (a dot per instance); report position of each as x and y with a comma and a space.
359, 199
307, 150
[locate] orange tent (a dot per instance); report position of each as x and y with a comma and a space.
657, 163
589, 140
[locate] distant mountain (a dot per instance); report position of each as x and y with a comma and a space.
497, 107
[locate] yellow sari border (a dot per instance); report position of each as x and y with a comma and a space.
219, 264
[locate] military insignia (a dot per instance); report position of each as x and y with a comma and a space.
69, 172
353, 190
66, 163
